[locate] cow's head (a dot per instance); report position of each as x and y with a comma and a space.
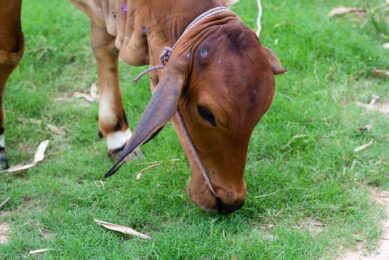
222, 81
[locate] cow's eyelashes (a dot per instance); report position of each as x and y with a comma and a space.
206, 115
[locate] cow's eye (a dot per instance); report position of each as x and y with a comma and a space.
206, 115
203, 52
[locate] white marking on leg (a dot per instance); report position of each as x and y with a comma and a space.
118, 139
259, 26
2, 141
106, 113
107, 116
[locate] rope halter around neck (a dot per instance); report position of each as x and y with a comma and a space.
164, 58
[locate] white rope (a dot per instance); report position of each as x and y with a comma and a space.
259, 26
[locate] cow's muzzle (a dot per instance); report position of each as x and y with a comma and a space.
226, 209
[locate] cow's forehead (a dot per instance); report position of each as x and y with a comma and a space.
227, 71
228, 84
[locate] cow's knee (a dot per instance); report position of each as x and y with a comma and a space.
10, 55
9, 60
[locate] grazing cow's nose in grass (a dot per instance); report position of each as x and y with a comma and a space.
228, 208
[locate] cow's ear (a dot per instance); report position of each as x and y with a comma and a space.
274, 61
161, 108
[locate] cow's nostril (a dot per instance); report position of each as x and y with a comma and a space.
228, 208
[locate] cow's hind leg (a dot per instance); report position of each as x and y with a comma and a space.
112, 119
11, 51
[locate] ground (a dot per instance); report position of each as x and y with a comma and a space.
308, 190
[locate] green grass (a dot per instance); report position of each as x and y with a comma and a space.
329, 63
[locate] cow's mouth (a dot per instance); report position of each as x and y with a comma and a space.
226, 209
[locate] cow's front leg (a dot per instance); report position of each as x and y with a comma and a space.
11, 51
112, 118
5, 71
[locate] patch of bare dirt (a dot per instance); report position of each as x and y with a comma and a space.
382, 252
266, 231
312, 225
45, 233
4, 233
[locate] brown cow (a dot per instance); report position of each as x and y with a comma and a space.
11, 51
219, 77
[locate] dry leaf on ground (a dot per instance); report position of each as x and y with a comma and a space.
4, 202
365, 128
382, 107
298, 136
38, 251
38, 157
91, 96
121, 229
267, 226
355, 162
56, 130
158, 162
40, 152
374, 100
345, 10
381, 73
363, 147
85, 96
143, 171
374, 106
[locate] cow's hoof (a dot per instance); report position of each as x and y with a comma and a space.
3, 162
135, 155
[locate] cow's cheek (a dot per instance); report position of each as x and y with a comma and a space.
200, 194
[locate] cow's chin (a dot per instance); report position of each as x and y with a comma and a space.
200, 194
